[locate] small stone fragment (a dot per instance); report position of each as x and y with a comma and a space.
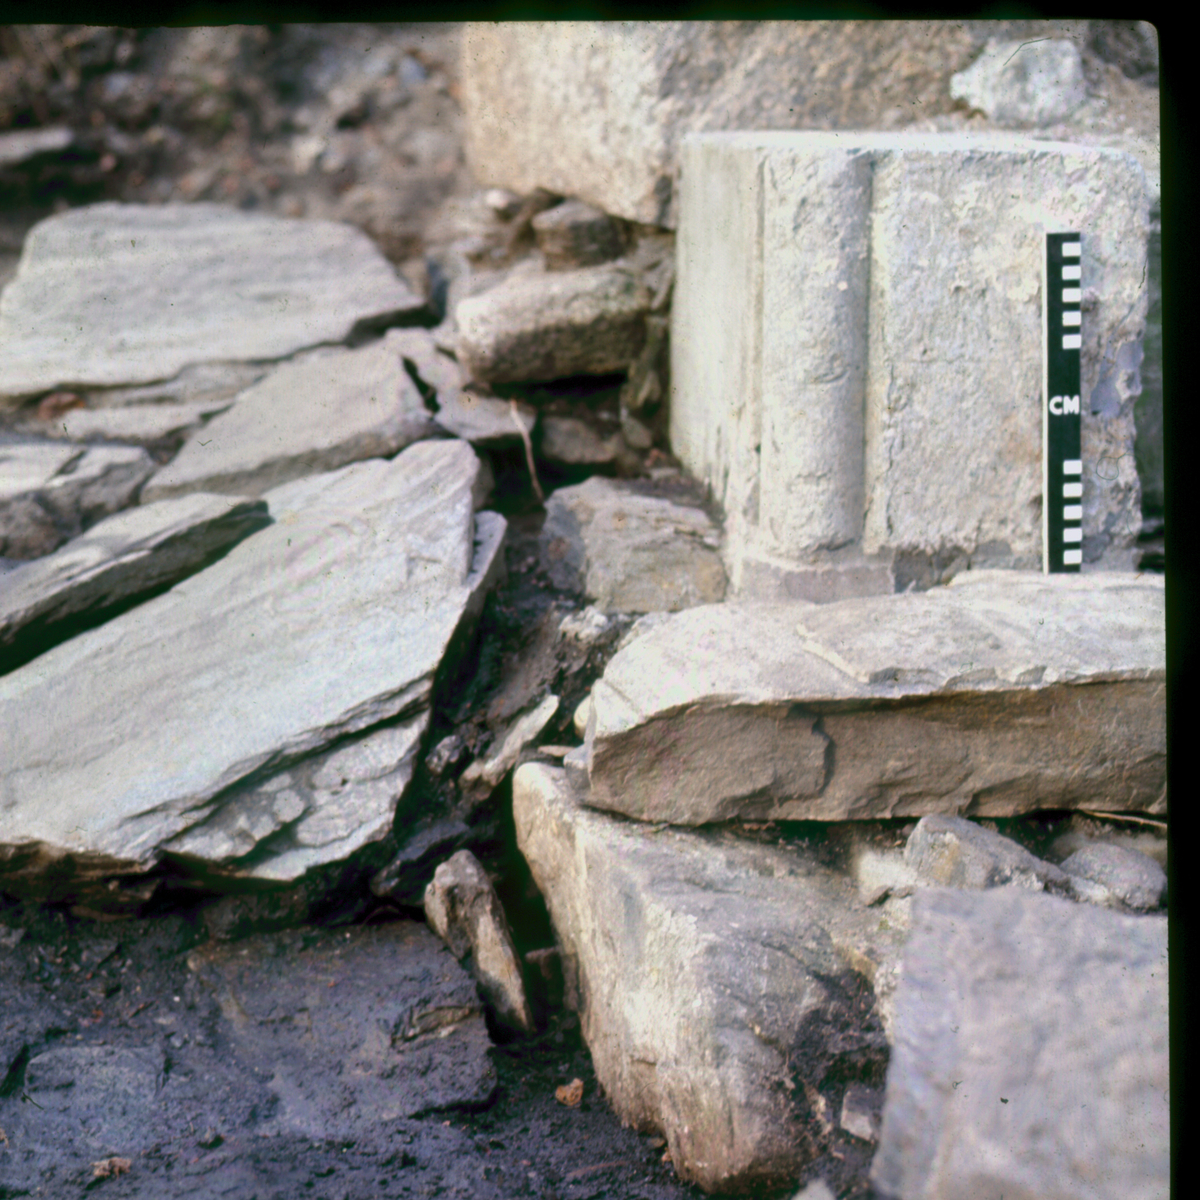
860, 1112
574, 234
491, 771
570, 1094
108, 1167
1124, 875
949, 851
463, 909
573, 442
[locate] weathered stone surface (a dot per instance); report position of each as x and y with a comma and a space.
1018, 83
463, 909
860, 1112
629, 552
629, 91
1116, 874
816, 460
119, 294
49, 492
1003, 693
660, 934
574, 234
317, 413
549, 326
1031, 1052
140, 425
400, 1035
480, 420
202, 383
327, 625
574, 442
951, 852
130, 553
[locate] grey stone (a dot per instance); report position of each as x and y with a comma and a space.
817, 1189
208, 383
951, 852
141, 425
316, 413
860, 1112
126, 554
629, 552
430, 843
587, 627
574, 442
659, 933
462, 907
1030, 1054
1125, 875
534, 327
1024, 83
1147, 836
818, 463
1003, 693
50, 492
323, 627
213, 283
487, 773
574, 234
19, 146
401, 1034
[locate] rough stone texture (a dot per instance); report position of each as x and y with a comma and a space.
141, 425
628, 92
659, 935
574, 234
1003, 693
328, 624
490, 771
480, 420
548, 326
1031, 1052
203, 383
860, 1112
119, 294
810, 394
463, 909
120, 557
1117, 873
628, 552
1017, 83
375, 1023
951, 852
317, 413
51, 492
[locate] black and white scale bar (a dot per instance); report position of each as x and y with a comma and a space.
1062, 466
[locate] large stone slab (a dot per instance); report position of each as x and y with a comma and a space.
713, 983
326, 625
120, 557
117, 294
51, 492
630, 552
319, 412
1031, 1052
1004, 693
542, 326
141, 425
851, 418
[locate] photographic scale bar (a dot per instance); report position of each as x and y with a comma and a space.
1062, 463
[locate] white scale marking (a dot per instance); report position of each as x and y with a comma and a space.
1073, 466
1070, 249
1071, 317
1072, 512
1074, 534
1072, 491
1072, 558
1072, 296
1072, 341
1071, 271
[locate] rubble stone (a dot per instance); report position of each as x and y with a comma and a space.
463, 909
629, 552
574, 234
140, 425
951, 852
1004, 693
535, 327
213, 283
1117, 873
1018, 83
1030, 1053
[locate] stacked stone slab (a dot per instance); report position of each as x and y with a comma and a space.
857, 349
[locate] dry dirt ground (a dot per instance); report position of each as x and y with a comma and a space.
357, 123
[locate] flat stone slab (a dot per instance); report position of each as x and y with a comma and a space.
1003, 693
714, 981
551, 325
51, 492
371, 1024
1031, 1052
319, 412
629, 552
119, 294
120, 557
139, 425
328, 624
